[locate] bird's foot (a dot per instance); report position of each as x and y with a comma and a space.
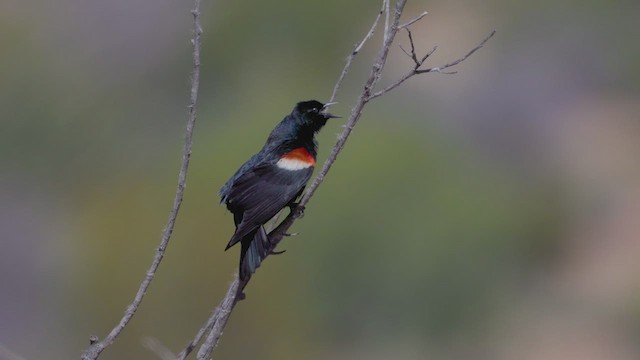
298, 209
273, 252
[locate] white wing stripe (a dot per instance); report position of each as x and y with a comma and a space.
292, 164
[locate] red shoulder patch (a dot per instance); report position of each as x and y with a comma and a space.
300, 154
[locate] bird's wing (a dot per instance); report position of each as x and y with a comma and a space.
263, 191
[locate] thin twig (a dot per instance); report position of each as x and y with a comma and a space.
158, 348
418, 63
458, 61
412, 21
96, 347
413, 49
356, 50
373, 79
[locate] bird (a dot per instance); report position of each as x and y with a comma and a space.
271, 180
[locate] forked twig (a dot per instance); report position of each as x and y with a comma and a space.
417, 63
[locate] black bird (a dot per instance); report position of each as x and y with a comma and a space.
271, 180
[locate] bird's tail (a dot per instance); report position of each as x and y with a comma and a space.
255, 247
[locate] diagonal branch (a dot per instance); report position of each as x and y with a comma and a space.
216, 323
235, 293
96, 347
356, 112
225, 307
412, 21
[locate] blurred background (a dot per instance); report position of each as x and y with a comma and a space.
492, 214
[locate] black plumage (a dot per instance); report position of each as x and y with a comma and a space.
271, 180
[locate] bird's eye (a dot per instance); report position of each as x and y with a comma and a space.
314, 110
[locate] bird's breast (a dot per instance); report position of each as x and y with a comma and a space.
296, 159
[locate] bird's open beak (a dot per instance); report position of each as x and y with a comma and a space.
328, 115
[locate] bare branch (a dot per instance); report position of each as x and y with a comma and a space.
231, 295
205, 328
458, 61
386, 20
413, 49
353, 54
96, 347
276, 235
234, 294
412, 21
426, 56
412, 55
220, 316
155, 346
418, 63
404, 51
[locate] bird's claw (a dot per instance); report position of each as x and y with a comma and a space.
273, 252
292, 234
300, 210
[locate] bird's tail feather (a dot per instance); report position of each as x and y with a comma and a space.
255, 247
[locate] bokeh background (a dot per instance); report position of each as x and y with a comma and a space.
492, 214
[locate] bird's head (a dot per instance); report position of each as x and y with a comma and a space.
310, 114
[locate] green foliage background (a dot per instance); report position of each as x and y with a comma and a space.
486, 215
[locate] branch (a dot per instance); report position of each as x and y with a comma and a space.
220, 315
96, 347
414, 20
356, 50
356, 112
417, 63
216, 323
235, 292
223, 310
458, 61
